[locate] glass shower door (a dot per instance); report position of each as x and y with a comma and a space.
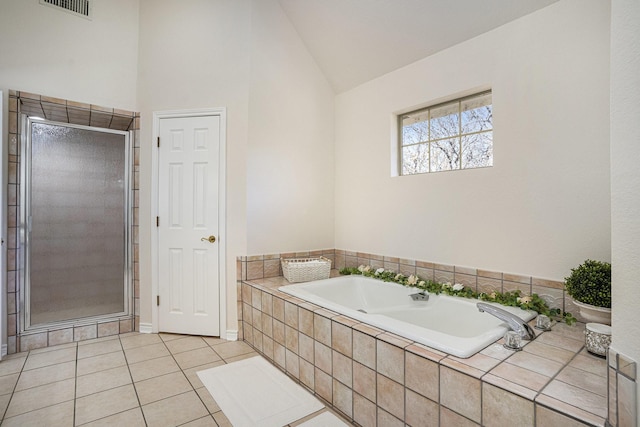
75, 223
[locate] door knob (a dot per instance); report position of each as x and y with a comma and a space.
210, 239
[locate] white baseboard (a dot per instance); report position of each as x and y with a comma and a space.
146, 328
4, 350
232, 335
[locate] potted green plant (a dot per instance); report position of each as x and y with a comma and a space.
589, 284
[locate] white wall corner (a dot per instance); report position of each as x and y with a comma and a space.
4, 348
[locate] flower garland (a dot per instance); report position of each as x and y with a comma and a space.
509, 298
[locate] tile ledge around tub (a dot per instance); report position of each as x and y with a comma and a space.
460, 365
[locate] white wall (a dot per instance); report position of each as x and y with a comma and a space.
195, 54
544, 206
55, 53
245, 56
625, 176
290, 154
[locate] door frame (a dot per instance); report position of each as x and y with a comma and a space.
24, 226
222, 217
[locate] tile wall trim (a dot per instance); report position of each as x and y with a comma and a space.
480, 280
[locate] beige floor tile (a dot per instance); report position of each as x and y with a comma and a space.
12, 366
153, 368
192, 375
41, 397
202, 422
208, 400
100, 363
214, 340
185, 344
51, 416
46, 375
102, 380
104, 404
198, 357
4, 402
53, 348
8, 383
38, 360
159, 388
231, 349
139, 340
222, 420
97, 340
129, 334
175, 410
242, 357
147, 352
12, 356
131, 418
98, 348
170, 337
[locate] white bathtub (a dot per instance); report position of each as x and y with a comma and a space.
450, 324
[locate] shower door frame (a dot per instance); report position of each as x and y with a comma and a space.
25, 235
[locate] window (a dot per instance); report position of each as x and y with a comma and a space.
453, 135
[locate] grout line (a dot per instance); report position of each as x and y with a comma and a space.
133, 384
75, 383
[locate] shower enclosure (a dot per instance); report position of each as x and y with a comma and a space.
75, 219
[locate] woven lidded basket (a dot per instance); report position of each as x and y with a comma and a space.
306, 269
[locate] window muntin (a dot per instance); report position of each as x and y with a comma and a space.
454, 135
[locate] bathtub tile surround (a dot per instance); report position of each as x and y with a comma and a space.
392, 381
77, 113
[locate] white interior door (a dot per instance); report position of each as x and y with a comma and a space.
188, 255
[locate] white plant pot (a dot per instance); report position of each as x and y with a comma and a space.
594, 314
597, 338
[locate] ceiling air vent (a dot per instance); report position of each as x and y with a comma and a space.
77, 7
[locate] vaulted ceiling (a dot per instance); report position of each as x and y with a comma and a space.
354, 41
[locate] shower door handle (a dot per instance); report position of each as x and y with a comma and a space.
210, 239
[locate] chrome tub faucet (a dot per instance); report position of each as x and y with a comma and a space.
514, 322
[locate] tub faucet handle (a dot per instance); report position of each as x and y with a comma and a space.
420, 296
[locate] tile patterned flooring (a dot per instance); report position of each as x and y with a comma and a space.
124, 380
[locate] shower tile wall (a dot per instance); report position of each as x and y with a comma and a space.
65, 111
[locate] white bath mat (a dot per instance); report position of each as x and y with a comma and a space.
325, 419
252, 392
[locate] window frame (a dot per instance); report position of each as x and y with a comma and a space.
400, 145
